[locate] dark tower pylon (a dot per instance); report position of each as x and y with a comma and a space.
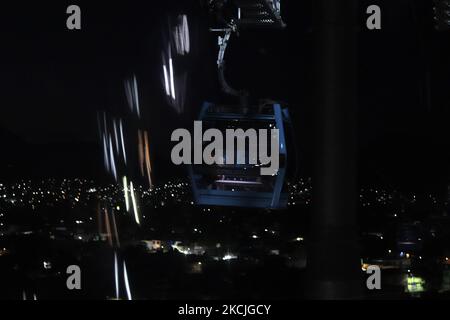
333, 266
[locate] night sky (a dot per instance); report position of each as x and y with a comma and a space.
54, 80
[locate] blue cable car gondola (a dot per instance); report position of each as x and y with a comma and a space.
242, 185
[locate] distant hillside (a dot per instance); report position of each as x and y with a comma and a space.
410, 162
20, 159
12, 151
